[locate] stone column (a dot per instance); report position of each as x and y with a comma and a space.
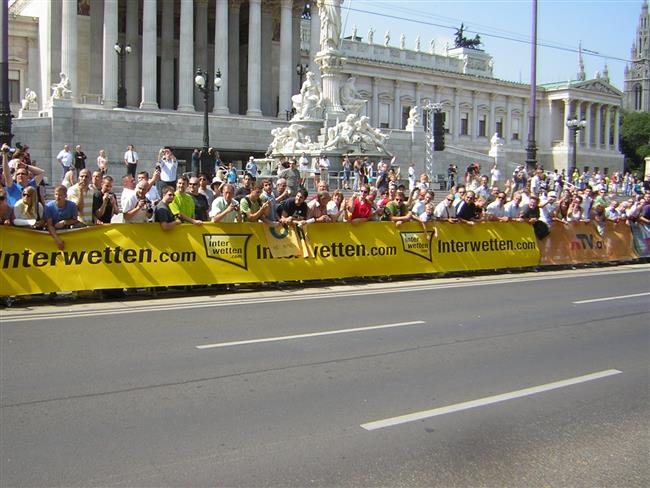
567, 114
167, 55
109, 68
268, 91
233, 87
508, 128
295, 49
617, 122
597, 136
374, 116
69, 45
456, 114
32, 65
286, 56
133, 60
254, 55
200, 45
397, 106
314, 42
149, 56
221, 56
96, 45
418, 94
608, 126
588, 107
44, 33
473, 121
186, 58
491, 126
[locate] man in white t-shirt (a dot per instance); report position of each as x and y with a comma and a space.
497, 209
65, 158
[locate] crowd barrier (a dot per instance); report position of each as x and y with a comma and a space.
143, 255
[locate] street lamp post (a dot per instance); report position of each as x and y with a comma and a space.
206, 86
301, 70
574, 126
121, 51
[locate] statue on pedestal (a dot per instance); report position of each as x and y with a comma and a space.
308, 103
289, 140
351, 99
414, 119
61, 89
402, 41
330, 24
387, 38
371, 35
30, 102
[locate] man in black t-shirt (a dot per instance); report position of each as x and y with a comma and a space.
162, 213
295, 209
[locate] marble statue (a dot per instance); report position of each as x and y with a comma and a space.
371, 35
432, 46
402, 41
351, 99
414, 119
341, 134
354, 32
370, 136
417, 43
62, 89
387, 38
495, 140
30, 102
308, 103
289, 140
330, 24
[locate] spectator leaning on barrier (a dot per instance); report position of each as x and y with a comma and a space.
497, 209
294, 210
397, 211
60, 213
105, 202
467, 210
336, 207
201, 206
81, 194
252, 207
245, 187
138, 209
445, 210
531, 215
163, 214
267, 195
514, 207
225, 208
183, 204
317, 208
360, 207
29, 212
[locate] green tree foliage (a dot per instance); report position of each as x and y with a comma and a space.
635, 137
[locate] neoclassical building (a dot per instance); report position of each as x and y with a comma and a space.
256, 46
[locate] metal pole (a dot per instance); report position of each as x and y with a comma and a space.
121, 90
5, 109
574, 149
531, 148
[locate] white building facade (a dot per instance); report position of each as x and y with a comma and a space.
256, 46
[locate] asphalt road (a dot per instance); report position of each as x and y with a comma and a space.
538, 379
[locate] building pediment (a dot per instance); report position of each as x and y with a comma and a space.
598, 86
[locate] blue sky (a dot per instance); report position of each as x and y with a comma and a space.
605, 27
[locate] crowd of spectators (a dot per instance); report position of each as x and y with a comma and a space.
171, 199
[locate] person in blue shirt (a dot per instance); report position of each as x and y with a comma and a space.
14, 186
60, 213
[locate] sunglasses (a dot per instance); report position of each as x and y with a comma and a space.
26, 194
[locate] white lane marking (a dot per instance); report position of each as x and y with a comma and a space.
126, 308
313, 334
606, 299
412, 417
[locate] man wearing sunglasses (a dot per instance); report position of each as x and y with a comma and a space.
14, 186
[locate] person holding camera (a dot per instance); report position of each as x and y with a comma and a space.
137, 208
14, 186
225, 208
105, 202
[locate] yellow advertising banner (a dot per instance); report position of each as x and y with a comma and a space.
143, 255
580, 242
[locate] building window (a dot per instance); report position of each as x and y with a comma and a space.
638, 97
464, 124
384, 115
482, 126
515, 129
405, 116
14, 86
499, 127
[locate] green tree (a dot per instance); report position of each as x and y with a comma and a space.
635, 137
